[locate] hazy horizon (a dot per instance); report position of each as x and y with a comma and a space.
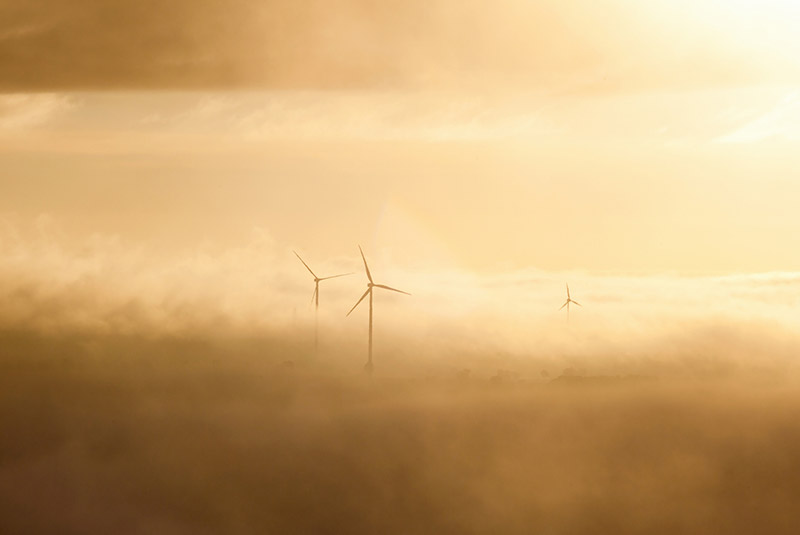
162, 162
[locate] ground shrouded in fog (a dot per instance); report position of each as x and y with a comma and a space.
147, 393
161, 160
125, 436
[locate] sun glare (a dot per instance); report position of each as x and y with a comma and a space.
779, 14
417, 266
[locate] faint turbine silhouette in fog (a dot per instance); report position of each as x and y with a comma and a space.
370, 286
568, 301
315, 297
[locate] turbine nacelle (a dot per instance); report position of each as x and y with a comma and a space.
317, 280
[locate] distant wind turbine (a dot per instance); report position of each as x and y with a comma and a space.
370, 286
568, 301
315, 297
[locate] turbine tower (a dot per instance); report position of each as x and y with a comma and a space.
315, 297
370, 286
568, 301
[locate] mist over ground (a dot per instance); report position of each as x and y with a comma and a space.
161, 161
101, 288
181, 393
183, 437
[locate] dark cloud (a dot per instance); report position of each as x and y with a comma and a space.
147, 44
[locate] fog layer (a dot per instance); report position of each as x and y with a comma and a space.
100, 288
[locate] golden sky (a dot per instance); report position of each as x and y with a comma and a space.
161, 161
579, 46
606, 137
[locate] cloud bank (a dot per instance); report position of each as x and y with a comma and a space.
26, 110
52, 285
578, 46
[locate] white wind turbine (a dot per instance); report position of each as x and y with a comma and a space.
370, 286
568, 301
315, 297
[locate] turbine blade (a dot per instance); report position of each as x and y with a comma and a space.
390, 288
369, 275
580, 305
359, 301
314, 295
308, 268
567, 291
334, 276
565, 304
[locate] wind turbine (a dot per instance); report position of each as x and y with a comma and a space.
370, 286
315, 297
568, 301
